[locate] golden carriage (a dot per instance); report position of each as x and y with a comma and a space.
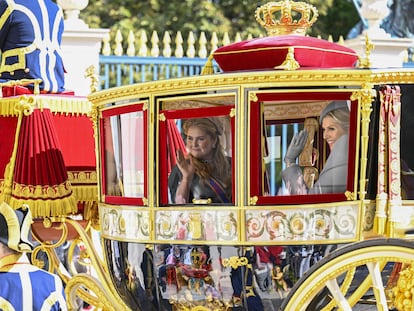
370, 217
334, 249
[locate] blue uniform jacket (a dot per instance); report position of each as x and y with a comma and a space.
30, 37
24, 287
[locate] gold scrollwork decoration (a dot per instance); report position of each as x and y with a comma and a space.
253, 97
90, 72
253, 200
232, 112
350, 196
365, 97
235, 262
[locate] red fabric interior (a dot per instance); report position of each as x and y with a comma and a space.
269, 52
76, 138
9, 91
8, 132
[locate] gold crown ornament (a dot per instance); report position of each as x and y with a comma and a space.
286, 17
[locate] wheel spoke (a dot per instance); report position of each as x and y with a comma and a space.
340, 280
377, 285
336, 292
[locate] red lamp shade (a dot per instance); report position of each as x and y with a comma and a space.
40, 177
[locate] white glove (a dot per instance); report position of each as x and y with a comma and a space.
296, 146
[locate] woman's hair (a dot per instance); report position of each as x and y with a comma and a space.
219, 167
341, 116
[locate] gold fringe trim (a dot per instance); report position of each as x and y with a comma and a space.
208, 68
40, 192
65, 104
43, 201
84, 185
47, 208
85, 193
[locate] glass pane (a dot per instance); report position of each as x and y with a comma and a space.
278, 137
308, 155
207, 277
124, 154
203, 148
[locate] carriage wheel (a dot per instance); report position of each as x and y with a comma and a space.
358, 270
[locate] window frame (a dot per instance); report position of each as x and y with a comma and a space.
257, 170
204, 112
140, 106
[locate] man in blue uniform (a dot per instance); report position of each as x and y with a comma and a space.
24, 287
30, 37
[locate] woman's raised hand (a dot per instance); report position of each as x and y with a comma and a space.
296, 146
185, 165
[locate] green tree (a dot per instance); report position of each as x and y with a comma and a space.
336, 17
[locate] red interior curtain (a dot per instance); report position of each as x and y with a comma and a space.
174, 142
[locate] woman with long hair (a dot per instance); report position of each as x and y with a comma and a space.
205, 172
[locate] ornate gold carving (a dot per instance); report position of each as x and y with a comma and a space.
282, 112
235, 262
350, 196
145, 106
195, 226
232, 112
90, 72
365, 62
253, 200
290, 62
309, 155
364, 97
286, 23
307, 158
202, 201
253, 97
402, 294
145, 201
275, 78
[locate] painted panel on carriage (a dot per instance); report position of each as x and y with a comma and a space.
124, 223
197, 225
306, 224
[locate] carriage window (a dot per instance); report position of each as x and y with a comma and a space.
199, 152
200, 158
304, 147
124, 147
